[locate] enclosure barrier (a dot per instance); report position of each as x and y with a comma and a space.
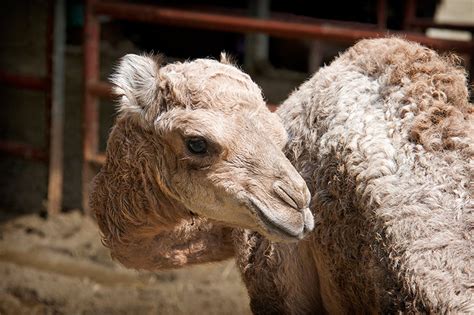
52, 87
323, 30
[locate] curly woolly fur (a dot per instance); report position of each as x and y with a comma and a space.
384, 139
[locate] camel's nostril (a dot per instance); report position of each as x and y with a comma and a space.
295, 199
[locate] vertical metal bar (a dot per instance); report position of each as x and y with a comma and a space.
409, 14
49, 75
381, 14
90, 128
257, 45
55, 183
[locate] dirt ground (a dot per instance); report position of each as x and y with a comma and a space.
59, 266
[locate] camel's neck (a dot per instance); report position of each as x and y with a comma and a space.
129, 189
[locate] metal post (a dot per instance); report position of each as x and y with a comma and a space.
56, 117
90, 128
381, 14
409, 14
257, 45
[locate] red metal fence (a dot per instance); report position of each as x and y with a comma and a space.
51, 153
323, 30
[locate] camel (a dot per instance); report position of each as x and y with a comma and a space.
383, 138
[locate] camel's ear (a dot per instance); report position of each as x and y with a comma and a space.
136, 82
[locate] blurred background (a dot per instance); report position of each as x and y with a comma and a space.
55, 57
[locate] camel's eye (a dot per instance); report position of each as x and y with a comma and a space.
197, 145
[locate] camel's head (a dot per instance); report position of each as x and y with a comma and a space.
219, 149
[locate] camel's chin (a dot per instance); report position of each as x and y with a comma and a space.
282, 225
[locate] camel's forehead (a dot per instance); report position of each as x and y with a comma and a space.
252, 127
203, 68
242, 122
205, 83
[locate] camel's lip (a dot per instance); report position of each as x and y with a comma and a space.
271, 225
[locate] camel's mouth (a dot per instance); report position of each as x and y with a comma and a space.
290, 225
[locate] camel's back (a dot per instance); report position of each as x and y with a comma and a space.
383, 137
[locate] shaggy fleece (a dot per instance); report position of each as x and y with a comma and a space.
383, 137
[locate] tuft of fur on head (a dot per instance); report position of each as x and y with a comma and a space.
227, 59
135, 81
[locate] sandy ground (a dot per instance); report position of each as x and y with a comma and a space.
59, 266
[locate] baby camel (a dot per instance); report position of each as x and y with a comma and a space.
193, 152
383, 138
